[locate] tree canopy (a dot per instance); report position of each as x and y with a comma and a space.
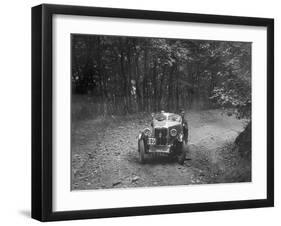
130, 74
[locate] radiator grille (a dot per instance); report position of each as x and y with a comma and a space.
161, 136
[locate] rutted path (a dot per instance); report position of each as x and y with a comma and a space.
104, 154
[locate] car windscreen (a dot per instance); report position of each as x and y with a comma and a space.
174, 118
160, 117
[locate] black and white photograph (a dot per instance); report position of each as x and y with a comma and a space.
145, 112
150, 112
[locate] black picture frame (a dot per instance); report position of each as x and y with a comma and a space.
42, 107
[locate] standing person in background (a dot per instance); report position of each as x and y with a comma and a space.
185, 126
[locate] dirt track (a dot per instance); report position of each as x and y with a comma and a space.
104, 153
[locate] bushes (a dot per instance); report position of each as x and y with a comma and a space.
244, 142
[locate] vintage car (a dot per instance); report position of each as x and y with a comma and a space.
168, 135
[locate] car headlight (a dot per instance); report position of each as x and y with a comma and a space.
173, 132
147, 132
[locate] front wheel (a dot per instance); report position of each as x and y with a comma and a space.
141, 151
181, 153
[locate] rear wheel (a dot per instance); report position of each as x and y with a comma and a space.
141, 151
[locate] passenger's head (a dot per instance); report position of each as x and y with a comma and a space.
182, 112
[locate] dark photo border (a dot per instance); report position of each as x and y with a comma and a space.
42, 181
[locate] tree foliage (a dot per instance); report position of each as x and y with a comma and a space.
128, 74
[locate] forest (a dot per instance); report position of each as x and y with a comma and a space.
125, 75
117, 82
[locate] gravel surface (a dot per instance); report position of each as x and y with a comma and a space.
104, 153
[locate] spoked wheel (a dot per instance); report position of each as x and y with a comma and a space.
141, 151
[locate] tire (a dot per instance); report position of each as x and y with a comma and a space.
141, 151
181, 154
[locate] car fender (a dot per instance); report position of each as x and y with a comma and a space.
140, 136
